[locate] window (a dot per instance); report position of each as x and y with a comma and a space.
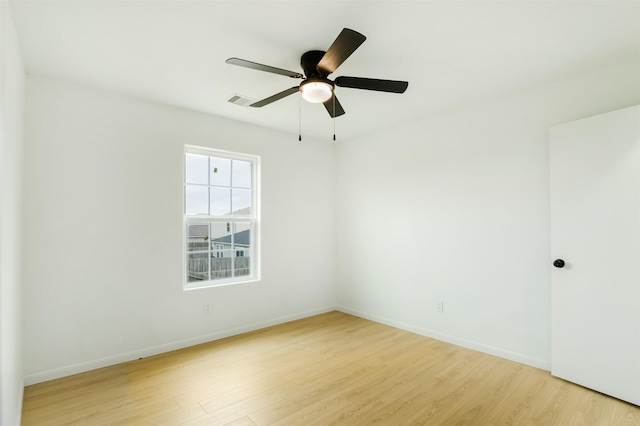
220, 217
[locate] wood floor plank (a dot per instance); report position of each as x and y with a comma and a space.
330, 369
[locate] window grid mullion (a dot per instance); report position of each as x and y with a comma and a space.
209, 250
209, 193
230, 200
232, 240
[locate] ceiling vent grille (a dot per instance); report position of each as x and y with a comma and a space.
240, 100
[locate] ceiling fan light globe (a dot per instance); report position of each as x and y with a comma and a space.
316, 92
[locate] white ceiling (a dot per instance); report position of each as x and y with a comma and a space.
453, 53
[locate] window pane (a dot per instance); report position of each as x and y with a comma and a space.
241, 201
221, 268
197, 251
196, 200
221, 236
197, 267
241, 174
197, 169
242, 236
242, 249
197, 236
220, 201
221, 261
242, 266
220, 171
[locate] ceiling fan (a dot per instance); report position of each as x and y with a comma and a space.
317, 65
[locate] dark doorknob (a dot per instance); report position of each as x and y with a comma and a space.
558, 263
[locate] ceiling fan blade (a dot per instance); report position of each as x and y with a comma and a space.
333, 107
392, 86
260, 67
344, 45
275, 97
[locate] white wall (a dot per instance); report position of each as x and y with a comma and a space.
11, 123
453, 207
456, 208
103, 230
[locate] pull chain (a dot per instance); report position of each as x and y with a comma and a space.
300, 118
334, 117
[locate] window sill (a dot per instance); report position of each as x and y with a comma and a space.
213, 284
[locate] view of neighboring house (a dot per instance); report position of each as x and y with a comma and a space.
217, 250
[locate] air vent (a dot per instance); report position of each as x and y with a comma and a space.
240, 100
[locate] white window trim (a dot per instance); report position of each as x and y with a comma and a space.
255, 251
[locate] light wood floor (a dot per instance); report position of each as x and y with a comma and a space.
328, 369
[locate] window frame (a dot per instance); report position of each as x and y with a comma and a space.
253, 219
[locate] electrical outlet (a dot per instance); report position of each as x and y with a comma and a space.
440, 306
206, 309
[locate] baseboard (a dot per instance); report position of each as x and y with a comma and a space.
44, 376
57, 373
469, 344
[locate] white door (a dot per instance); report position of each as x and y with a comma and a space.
595, 230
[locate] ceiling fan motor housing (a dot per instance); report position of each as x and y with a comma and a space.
316, 88
309, 64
